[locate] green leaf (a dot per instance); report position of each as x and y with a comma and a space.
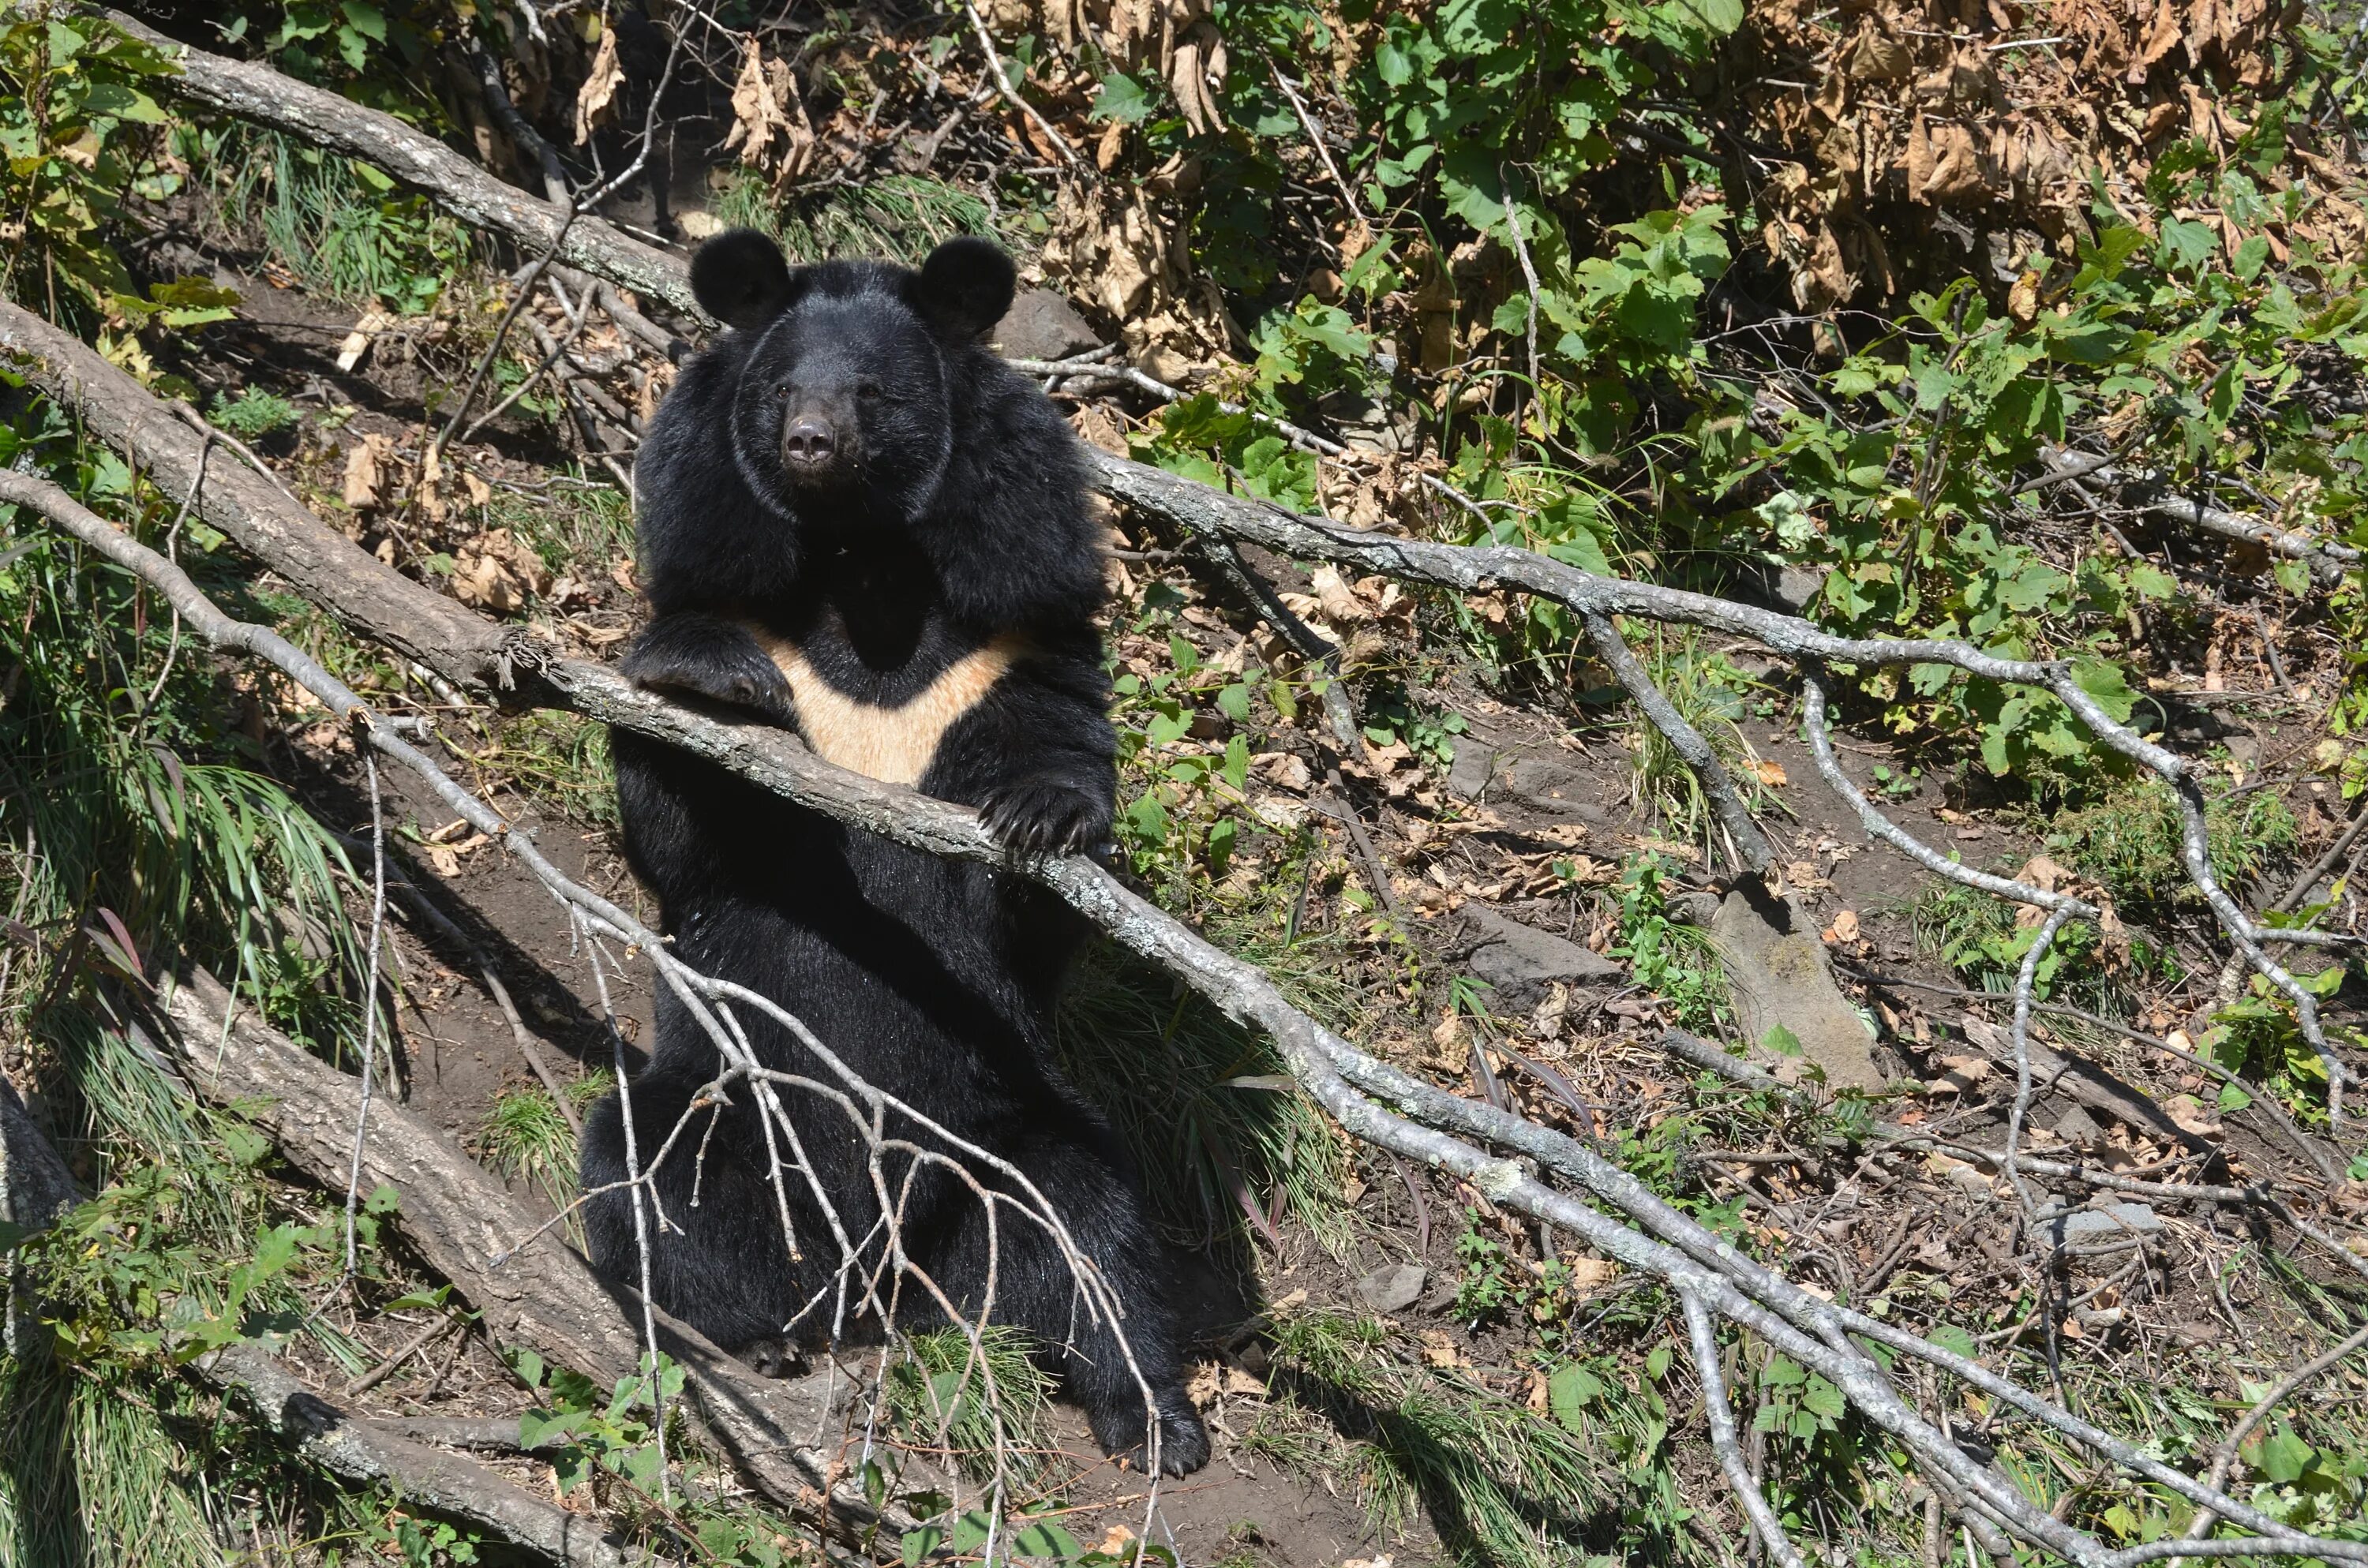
970, 1532
917, 1545
1123, 100
2234, 1098
1570, 1390
2284, 1456
1237, 761
1782, 1040
536, 1427
1955, 1340
1045, 1539
2106, 685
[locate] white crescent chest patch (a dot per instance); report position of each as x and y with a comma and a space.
895, 744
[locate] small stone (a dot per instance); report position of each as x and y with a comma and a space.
2077, 1128
1797, 588
1521, 963
1393, 1289
2104, 1223
1547, 782
1040, 325
1472, 768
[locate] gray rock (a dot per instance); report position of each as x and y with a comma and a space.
2077, 1128
1547, 782
1519, 963
2103, 1225
1394, 1287
35, 1186
1473, 769
1043, 325
1779, 971
1797, 588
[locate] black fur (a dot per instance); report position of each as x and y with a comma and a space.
850, 471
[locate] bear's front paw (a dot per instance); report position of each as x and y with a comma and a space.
1040, 817
1125, 1435
711, 658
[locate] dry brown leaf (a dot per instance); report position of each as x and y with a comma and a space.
2161, 38
1960, 1075
1338, 601
1438, 1350
1876, 56
2022, 300
1769, 771
1588, 1275
1845, 927
2193, 1115
484, 583
366, 470
596, 101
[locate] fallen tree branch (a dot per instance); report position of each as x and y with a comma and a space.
35, 1188
318, 118
357, 1451
527, 1284
2327, 559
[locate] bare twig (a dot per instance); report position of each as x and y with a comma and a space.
1721, 1416
1012, 94
1315, 137
369, 999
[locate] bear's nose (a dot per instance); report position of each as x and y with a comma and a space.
808, 441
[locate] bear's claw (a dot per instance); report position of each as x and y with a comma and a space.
1183, 1440
1040, 817
710, 657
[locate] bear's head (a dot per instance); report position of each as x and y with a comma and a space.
843, 408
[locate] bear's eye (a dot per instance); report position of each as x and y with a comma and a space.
781, 389
867, 389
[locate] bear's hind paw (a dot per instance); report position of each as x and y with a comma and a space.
1183, 1440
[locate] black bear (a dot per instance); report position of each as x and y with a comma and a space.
857, 522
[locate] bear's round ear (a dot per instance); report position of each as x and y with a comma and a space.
740, 279
965, 286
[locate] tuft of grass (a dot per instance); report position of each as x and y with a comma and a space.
943, 1395
2132, 841
1708, 692
1204, 1104
254, 413
91, 1477
560, 758
584, 531
902, 217
1502, 1484
344, 229
525, 1136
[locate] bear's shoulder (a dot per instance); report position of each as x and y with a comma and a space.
1014, 527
